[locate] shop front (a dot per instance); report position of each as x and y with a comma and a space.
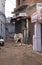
21, 26
36, 18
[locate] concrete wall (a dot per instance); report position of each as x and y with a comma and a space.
2, 29
2, 6
28, 1
37, 37
10, 29
2, 18
2, 26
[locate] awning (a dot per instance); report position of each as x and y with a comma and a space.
20, 18
36, 16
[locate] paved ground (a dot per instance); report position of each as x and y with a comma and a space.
13, 54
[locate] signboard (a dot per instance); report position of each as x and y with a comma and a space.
39, 6
41, 13
34, 17
37, 16
23, 14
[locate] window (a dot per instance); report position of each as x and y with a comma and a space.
18, 2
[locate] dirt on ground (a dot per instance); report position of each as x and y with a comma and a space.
17, 54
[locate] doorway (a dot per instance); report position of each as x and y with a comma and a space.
41, 36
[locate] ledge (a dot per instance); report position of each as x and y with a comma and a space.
20, 8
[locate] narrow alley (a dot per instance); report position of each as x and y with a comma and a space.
20, 32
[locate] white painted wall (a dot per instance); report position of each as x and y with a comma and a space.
2, 29
2, 18
37, 18
37, 37
2, 6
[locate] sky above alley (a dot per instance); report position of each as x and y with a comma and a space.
9, 7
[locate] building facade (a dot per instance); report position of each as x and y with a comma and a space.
21, 2
23, 8
36, 18
2, 18
30, 7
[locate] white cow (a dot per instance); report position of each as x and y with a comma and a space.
18, 37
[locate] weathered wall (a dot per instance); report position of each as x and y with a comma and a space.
30, 11
2, 6
2, 18
28, 1
10, 29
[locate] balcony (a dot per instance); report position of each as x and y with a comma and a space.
20, 8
